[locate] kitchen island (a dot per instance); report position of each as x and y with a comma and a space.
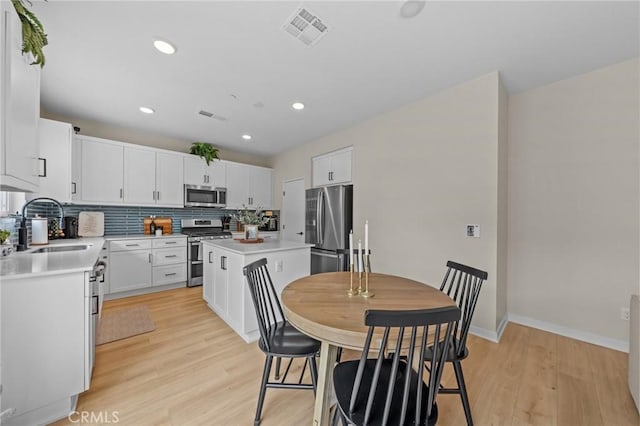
225, 289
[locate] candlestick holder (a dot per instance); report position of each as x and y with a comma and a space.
366, 293
359, 289
351, 291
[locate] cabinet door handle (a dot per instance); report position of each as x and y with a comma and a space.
223, 263
131, 245
158, 195
299, 233
73, 186
170, 256
171, 242
120, 192
210, 260
44, 161
168, 275
150, 258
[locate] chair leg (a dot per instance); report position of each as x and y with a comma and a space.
277, 373
263, 388
457, 366
314, 373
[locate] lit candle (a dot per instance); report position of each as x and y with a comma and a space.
360, 256
366, 237
351, 248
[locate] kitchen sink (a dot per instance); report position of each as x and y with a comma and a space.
56, 249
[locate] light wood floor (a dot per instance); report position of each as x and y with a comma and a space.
193, 370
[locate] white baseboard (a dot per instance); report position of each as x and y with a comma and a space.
618, 345
493, 336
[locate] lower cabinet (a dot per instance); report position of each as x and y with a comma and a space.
225, 288
141, 263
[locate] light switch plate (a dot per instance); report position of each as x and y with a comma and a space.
473, 231
278, 265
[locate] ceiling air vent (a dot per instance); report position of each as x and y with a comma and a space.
212, 115
305, 26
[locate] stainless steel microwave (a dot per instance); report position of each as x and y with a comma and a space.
204, 196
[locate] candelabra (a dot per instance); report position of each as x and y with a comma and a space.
367, 266
351, 291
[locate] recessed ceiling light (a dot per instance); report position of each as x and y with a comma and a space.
411, 8
298, 105
246, 137
147, 110
164, 46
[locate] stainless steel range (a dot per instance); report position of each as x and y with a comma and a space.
198, 230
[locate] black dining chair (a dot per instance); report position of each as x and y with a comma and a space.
387, 390
462, 283
278, 338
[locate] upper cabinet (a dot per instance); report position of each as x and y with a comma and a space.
118, 173
19, 108
197, 172
102, 171
332, 168
248, 186
169, 179
54, 144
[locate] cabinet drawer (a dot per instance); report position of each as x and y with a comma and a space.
125, 245
169, 274
169, 242
169, 256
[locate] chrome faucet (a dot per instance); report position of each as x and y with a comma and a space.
22, 231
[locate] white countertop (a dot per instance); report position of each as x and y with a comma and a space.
140, 236
26, 264
266, 247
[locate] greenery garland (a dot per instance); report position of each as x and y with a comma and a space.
206, 151
33, 35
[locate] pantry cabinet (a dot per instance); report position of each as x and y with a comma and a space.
19, 108
332, 168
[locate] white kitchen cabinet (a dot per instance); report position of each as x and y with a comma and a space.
19, 108
208, 274
332, 168
226, 290
169, 179
248, 186
45, 345
102, 171
139, 176
260, 187
197, 172
54, 144
76, 169
139, 263
129, 270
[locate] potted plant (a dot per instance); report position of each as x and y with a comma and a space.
251, 219
33, 36
206, 151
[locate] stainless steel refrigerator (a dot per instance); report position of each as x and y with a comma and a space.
328, 220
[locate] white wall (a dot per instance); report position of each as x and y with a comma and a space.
421, 173
573, 201
101, 130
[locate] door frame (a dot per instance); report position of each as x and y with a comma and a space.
282, 211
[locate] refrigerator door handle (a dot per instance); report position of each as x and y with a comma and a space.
321, 202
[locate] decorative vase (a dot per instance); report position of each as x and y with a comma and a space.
250, 232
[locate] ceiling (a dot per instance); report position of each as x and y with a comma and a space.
235, 60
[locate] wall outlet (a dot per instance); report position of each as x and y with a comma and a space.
624, 314
278, 265
473, 231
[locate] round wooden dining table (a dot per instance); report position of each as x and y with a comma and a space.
318, 305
